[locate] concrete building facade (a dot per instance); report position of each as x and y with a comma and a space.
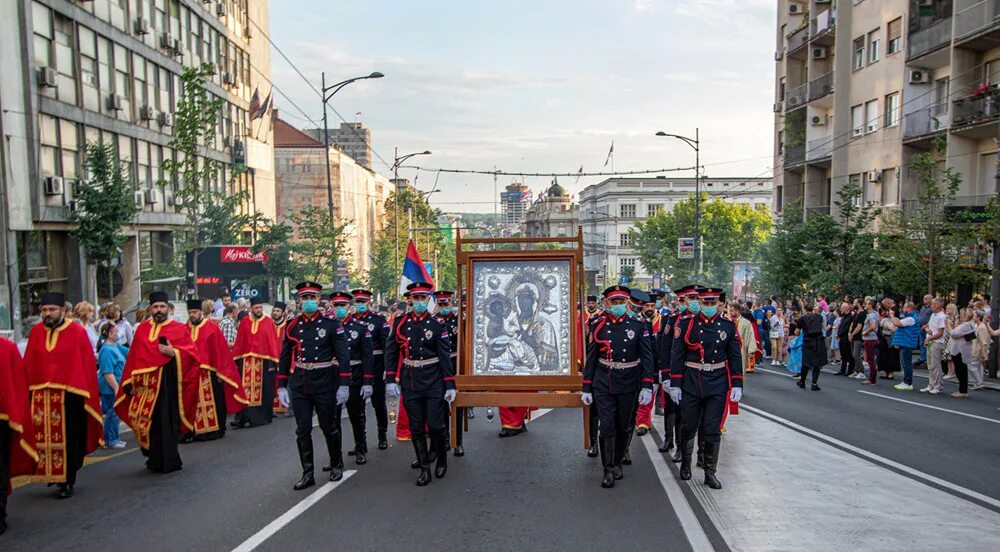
109, 71
352, 138
552, 215
514, 203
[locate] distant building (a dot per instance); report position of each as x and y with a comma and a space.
352, 138
514, 203
551, 215
609, 209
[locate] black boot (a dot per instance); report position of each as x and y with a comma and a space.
65, 491
688, 448
678, 455
420, 448
621, 449
360, 441
336, 458
627, 450
668, 433
441, 467
711, 461
361, 454
608, 461
594, 450
431, 456
510, 432
701, 455
383, 443
305, 446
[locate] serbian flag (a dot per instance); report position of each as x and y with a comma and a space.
413, 269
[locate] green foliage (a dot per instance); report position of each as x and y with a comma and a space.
308, 258
732, 232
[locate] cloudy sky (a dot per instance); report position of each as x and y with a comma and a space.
538, 86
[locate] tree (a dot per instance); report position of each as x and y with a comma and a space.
104, 207
310, 256
855, 269
732, 232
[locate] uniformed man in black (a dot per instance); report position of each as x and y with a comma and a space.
360, 373
638, 300
671, 412
593, 317
447, 316
421, 347
706, 369
379, 328
619, 364
309, 379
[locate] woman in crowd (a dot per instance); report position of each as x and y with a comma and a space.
834, 320
888, 357
83, 313
951, 311
980, 349
961, 350
110, 365
113, 312
777, 336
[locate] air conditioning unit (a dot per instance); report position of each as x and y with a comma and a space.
874, 176
819, 53
794, 101
168, 198
778, 55
227, 78
114, 102
152, 196
146, 112
140, 26
795, 9
822, 1
220, 9
139, 200
818, 120
165, 119
166, 41
54, 185
919, 76
239, 153
47, 76
778, 106
178, 47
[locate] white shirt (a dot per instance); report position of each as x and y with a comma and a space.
937, 323
777, 327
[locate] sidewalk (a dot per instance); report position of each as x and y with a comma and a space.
988, 383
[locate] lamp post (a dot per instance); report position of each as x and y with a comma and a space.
696, 146
397, 161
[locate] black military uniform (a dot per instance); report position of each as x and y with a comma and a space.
379, 328
311, 351
705, 364
449, 321
619, 363
421, 347
592, 321
359, 374
638, 300
672, 421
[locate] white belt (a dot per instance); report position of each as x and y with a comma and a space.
378, 352
314, 365
454, 355
420, 363
353, 363
618, 365
706, 366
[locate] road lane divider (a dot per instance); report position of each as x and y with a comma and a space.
693, 530
932, 407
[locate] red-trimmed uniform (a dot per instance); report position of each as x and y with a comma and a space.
360, 372
644, 412
18, 455
379, 328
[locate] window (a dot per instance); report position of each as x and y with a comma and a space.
859, 53
653, 209
895, 37
874, 46
892, 109
888, 195
626, 263
855, 180
992, 72
871, 116
857, 120
941, 91
627, 210
625, 239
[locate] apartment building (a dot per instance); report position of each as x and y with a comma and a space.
352, 138
862, 86
108, 70
514, 203
610, 209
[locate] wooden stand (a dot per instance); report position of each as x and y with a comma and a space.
548, 391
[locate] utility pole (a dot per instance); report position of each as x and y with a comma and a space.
326, 154
695, 144
995, 286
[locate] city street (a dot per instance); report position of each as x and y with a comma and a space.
845, 468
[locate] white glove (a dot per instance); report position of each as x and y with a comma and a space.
675, 394
645, 397
449, 395
342, 393
392, 390
283, 398
736, 394
366, 392
665, 386
587, 398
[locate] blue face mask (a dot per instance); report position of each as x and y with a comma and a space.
420, 307
710, 311
361, 307
444, 310
340, 312
310, 306
618, 311
694, 306
682, 307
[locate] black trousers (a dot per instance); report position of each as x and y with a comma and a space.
705, 411
76, 434
961, 372
356, 414
163, 455
315, 391
806, 369
846, 355
5, 433
378, 397
594, 423
672, 432
615, 412
427, 413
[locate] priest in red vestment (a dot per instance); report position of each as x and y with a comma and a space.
65, 399
219, 390
256, 352
158, 397
280, 321
17, 432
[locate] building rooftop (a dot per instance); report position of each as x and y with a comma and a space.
287, 136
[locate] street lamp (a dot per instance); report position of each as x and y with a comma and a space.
696, 146
397, 161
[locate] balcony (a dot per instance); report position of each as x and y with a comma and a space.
976, 19
823, 24
925, 121
798, 39
795, 154
972, 202
820, 148
817, 210
928, 39
977, 108
796, 97
821, 86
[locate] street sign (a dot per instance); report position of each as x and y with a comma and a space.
622, 280
685, 248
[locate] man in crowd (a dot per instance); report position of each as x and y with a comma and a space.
813, 347
925, 317
256, 353
18, 455
313, 349
672, 416
748, 339
65, 399
219, 389
358, 375
447, 315
379, 328
619, 364
934, 341
706, 351
844, 340
857, 323
907, 336
649, 316
421, 346
158, 396
227, 325
278, 315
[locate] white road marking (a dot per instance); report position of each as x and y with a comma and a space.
881, 396
788, 374
539, 413
693, 530
270, 529
968, 493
